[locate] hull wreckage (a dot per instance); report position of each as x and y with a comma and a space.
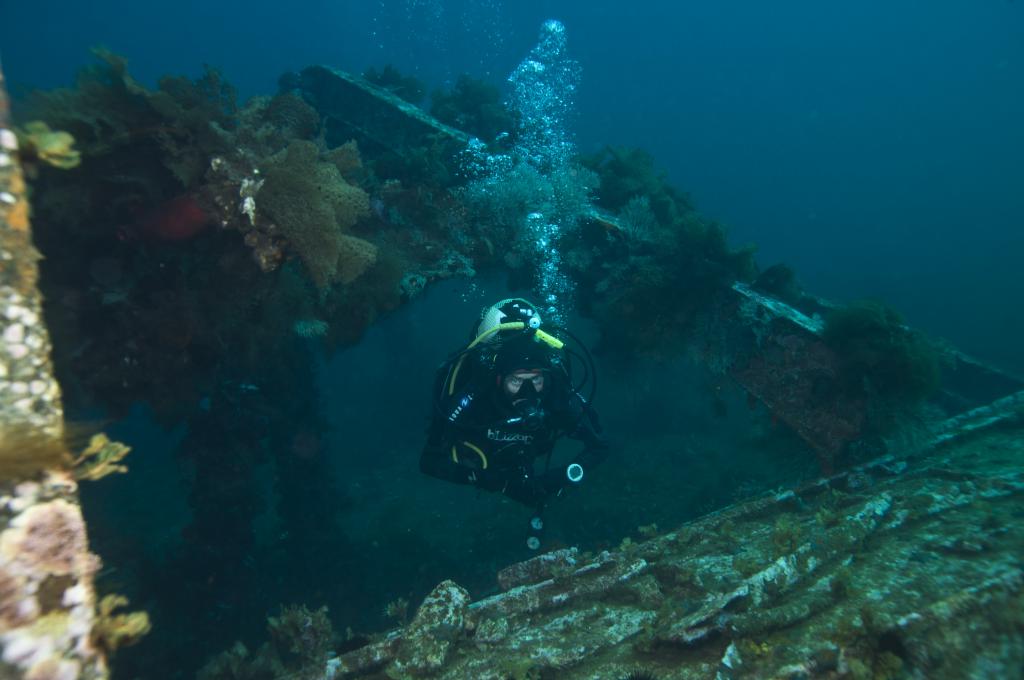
907, 566
902, 560
774, 350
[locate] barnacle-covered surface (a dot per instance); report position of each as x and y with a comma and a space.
907, 566
46, 570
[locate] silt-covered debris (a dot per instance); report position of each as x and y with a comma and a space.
907, 566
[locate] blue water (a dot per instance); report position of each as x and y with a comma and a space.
873, 145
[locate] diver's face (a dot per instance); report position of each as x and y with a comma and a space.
523, 383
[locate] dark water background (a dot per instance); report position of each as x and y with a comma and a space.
874, 146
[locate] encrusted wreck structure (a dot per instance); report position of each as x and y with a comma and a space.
206, 245
905, 567
48, 609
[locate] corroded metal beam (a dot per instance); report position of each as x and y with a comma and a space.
778, 355
47, 600
787, 366
354, 107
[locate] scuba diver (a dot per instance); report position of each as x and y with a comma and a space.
501, 403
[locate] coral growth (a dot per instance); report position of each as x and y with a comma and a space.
780, 280
300, 642
391, 79
662, 265
15, 608
355, 256
637, 220
313, 205
433, 631
26, 451
347, 159
176, 272
626, 173
109, 110
54, 668
510, 192
473, 106
114, 631
879, 353
37, 141
101, 458
265, 125
49, 537
302, 637
292, 117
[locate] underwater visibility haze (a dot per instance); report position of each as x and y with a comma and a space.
448, 339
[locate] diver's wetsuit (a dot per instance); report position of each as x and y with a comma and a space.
476, 437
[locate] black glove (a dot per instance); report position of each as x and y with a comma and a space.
552, 481
535, 490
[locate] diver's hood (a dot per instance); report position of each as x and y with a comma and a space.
522, 351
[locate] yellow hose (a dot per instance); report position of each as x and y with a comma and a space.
543, 336
475, 449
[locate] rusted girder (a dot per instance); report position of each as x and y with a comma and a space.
777, 354
355, 108
781, 359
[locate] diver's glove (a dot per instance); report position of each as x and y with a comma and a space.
552, 482
521, 486
527, 489
543, 488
